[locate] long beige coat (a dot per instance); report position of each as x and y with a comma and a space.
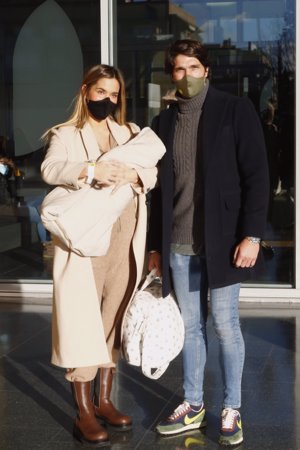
86, 228
77, 332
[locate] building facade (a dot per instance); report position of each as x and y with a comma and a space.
46, 45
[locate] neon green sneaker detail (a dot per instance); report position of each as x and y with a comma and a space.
182, 419
231, 432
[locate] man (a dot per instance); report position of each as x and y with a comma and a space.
207, 218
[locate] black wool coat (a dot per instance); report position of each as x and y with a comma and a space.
235, 184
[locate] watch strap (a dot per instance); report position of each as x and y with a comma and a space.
253, 239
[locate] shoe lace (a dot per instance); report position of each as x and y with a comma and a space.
180, 410
228, 417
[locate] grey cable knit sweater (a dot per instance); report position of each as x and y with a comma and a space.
187, 230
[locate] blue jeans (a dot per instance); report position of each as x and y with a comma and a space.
190, 281
33, 205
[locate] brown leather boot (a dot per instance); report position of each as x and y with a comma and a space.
86, 427
104, 409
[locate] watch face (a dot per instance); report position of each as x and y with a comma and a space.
255, 240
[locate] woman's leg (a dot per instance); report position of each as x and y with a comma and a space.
81, 374
104, 408
86, 427
115, 276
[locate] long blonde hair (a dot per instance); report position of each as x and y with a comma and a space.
80, 112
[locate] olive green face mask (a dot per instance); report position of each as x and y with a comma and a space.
190, 86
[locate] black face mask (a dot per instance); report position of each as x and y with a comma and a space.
100, 109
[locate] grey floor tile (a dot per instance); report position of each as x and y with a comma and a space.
37, 409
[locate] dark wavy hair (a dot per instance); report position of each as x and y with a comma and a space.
187, 47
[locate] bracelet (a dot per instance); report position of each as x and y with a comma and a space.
90, 172
254, 240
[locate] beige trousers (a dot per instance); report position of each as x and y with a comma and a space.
115, 275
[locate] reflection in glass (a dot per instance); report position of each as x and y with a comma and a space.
45, 46
252, 51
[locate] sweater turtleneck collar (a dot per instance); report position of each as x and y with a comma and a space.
188, 105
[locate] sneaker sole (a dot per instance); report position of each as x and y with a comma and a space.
192, 426
227, 442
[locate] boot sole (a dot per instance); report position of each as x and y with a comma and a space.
119, 428
115, 427
78, 435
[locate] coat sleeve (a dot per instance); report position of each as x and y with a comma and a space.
154, 235
253, 168
148, 178
57, 168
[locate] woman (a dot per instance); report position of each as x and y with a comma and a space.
91, 294
7, 168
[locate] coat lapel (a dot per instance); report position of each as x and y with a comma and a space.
120, 133
90, 142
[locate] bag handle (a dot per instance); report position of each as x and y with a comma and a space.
154, 375
148, 280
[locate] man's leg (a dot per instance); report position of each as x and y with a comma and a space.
225, 314
190, 283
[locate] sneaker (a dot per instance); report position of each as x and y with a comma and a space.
189, 440
231, 432
182, 419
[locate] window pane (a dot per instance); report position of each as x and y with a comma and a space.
44, 48
252, 51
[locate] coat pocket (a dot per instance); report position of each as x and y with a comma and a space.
231, 209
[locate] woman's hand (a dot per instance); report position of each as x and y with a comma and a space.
113, 173
245, 254
110, 173
154, 261
126, 175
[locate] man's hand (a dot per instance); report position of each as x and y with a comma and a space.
154, 261
245, 254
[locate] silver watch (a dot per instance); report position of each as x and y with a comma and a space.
254, 240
